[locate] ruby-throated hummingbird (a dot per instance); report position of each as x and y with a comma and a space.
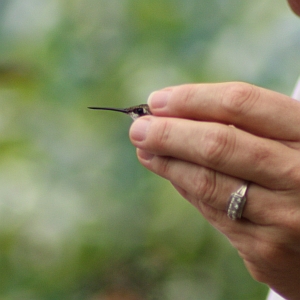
134, 111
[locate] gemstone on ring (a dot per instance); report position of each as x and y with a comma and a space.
237, 202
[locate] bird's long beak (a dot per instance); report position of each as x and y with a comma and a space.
109, 108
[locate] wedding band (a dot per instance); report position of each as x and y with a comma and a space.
237, 202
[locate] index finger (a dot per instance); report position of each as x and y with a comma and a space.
260, 111
225, 149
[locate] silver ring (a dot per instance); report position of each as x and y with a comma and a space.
237, 202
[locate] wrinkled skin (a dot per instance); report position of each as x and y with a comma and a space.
207, 139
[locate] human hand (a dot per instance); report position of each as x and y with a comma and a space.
190, 142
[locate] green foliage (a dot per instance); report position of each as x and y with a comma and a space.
79, 217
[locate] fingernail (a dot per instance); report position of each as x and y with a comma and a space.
144, 155
159, 99
139, 128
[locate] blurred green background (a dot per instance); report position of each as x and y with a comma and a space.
79, 217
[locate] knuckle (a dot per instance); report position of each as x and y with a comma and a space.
188, 93
289, 223
218, 145
292, 177
238, 98
205, 186
260, 155
165, 167
162, 134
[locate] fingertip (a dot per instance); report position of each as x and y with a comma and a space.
159, 99
144, 155
139, 128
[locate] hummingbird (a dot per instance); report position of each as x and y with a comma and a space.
134, 111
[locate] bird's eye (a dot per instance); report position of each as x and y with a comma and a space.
140, 111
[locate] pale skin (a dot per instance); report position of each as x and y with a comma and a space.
207, 139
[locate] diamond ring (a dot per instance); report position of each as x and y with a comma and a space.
237, 202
